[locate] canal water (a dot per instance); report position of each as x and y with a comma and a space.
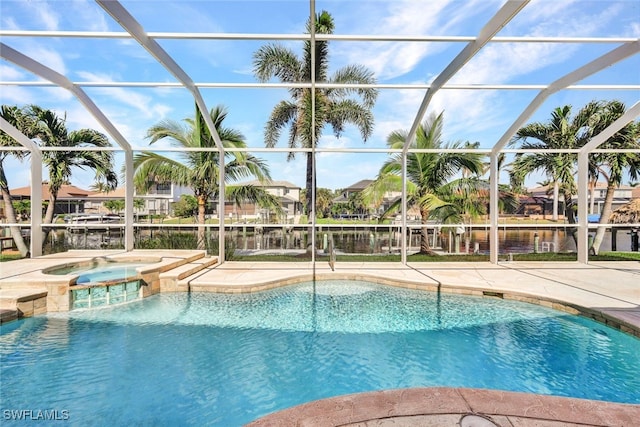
354, 241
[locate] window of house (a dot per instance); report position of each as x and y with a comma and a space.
163, 188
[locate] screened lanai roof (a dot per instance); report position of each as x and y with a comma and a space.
491, 66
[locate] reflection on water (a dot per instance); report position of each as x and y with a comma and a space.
353, 240
523, 241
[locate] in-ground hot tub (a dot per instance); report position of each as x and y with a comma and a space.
104, 281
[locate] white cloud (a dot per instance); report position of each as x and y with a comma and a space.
541, 10
143, 104
55, 95
9, 23
46, 56
389, 60
8, 73
496, 63
43, 12
16, 95
44, 97
89, 15
500, 63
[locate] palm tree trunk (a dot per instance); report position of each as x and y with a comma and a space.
310, 187
201, 222
556, 196
570, 217
569, 214
592, 194
11, 218
49, 213
604, 217
425, 248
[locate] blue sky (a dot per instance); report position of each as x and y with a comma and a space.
471, 115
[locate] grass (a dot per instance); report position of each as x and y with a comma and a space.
547, 257
616, 256
356, 222
9, 257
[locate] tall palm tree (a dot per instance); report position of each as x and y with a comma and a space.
15, 117
561, 132
333, 106
612, 166
50, 130
432, 185
199, 170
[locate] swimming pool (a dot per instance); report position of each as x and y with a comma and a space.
102, 268
212, 359
103, 280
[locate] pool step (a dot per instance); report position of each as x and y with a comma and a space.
174, 280
21, 302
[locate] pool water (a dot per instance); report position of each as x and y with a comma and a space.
105, 274
211, 359
91, 274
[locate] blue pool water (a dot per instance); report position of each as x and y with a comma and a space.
104, 274
94, 274
207, 359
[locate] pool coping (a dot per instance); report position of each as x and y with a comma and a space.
445, 406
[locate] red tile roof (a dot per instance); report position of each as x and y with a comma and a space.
118, 193
66, 192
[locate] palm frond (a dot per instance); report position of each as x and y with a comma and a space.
21, 121
349, 111
355, 74
274, 60
176, 133
283, 113
151, 167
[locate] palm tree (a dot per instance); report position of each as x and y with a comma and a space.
333, 106
324, 199
114, 206
612, 166
15, 117
199, 170
432, 185
561, 132
51, 131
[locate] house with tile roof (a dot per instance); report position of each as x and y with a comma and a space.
157, 200
70, 198
75, 200
287, 193
543, 196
